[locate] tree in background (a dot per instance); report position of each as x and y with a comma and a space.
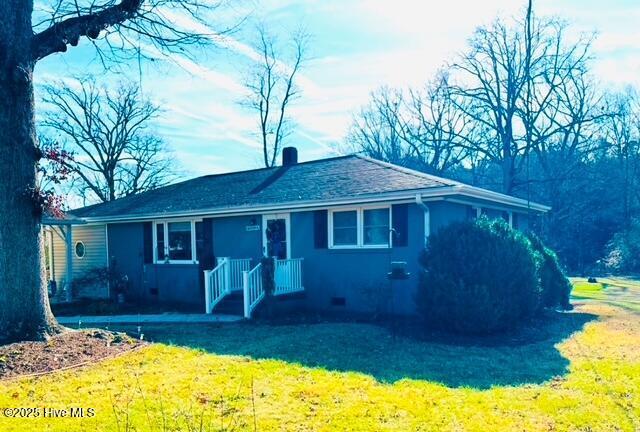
423, 130
271, 86
517, 80
116, 29
620, 135
520, 112
109, 132
377, 129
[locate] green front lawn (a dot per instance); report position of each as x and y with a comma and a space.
622, 292
579, 372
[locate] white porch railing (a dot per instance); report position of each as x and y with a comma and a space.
253, 290
288, 276
236, 274
236, 268
222, 280
216, 284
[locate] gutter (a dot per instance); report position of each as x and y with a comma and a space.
480, 193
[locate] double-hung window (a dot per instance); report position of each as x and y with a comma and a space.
361, 227
375, 227
175, 241
345, 228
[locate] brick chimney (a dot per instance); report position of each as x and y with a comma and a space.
289, 156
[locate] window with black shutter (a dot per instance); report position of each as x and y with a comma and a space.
204, 243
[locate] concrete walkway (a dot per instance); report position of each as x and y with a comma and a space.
166, 318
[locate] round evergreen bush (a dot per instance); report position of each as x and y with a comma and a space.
555, 286
479, 277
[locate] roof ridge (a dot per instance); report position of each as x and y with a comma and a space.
416, 173
273, 167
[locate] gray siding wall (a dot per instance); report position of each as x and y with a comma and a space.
164, 283
174, 283
126, 254
95, 241
231, 238
359, 276
443, 213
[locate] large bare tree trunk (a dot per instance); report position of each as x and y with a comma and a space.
24, 305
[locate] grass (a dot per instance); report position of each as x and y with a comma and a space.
621, 292
580, 372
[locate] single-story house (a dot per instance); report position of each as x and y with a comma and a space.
334, 227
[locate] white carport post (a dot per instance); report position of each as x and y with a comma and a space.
68, 237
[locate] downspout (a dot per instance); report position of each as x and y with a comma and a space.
427, 217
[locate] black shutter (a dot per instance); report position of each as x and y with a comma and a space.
205, 254
400, 218
320, 229
147, 234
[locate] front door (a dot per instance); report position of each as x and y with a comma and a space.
275, 236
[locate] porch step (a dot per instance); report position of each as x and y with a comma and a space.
232, 304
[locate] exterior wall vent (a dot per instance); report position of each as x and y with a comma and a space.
338, 301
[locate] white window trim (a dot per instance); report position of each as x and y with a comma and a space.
287, 222
360, 227
165, 223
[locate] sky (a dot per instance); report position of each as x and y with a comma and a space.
356, 47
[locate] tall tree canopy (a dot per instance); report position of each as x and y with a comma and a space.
518, 111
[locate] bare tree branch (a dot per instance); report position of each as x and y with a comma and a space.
424, 130
70, 30
116, 154
118, 28
522, 84
271, 87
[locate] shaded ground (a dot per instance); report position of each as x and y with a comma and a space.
110, 307
576, 374
527, 356
62, 351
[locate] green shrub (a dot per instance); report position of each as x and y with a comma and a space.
554, 285
623, 251
479, 277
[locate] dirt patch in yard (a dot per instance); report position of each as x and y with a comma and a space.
66, 350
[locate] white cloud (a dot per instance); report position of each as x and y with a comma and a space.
358, 46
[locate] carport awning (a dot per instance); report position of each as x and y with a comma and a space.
67, 219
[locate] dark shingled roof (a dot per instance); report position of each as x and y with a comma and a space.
320, 180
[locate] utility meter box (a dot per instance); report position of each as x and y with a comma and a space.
398, 271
